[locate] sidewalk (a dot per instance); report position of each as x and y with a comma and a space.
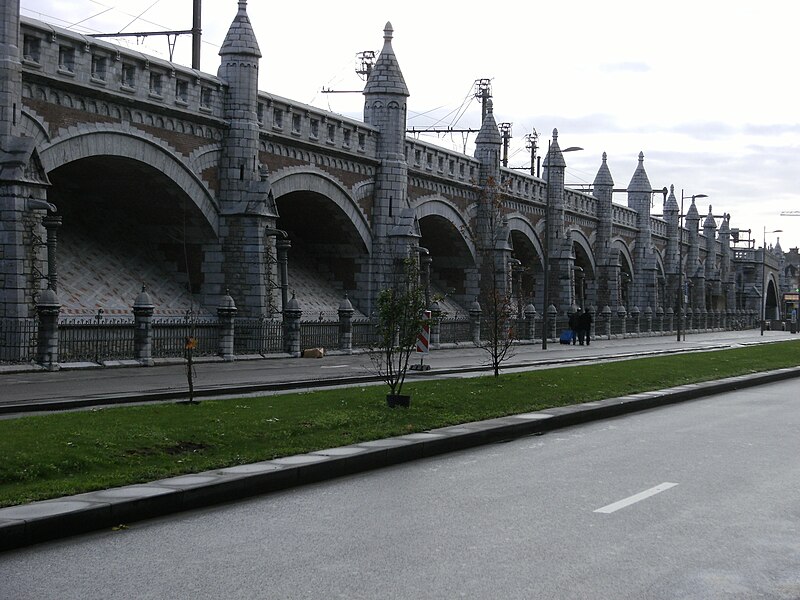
32, 523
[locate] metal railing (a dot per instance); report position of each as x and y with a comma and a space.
319, 334
97, 339
257, 336
454, 331
18, 340
169, 336
365, 333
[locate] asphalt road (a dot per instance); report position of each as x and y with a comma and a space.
699, 500
216, 378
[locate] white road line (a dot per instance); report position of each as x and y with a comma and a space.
334, 367
635, 498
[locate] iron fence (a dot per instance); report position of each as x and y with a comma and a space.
169, 336
18, 339
319, 334
365, 333
454, 331
257, 336
95, 340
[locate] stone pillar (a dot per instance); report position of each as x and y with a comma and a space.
291, 327
346, 311
143, 310
648, 320
530, 321
592, 310
51, 224
670, 319
475, 322
226, 313
623, 315
606, 315
436, 326
47, 309
552, 313
282, 246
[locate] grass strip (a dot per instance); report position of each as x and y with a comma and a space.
49, 456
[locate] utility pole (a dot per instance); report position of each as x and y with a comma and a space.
172, 36
505, 133
483, 91
532, 144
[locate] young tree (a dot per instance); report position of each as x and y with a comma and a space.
400, 319
496, 290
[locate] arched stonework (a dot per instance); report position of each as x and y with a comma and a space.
311, 179
91, 141
436, 205
578, 237
521, 224
625, 255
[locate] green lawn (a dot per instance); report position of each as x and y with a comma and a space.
55, 455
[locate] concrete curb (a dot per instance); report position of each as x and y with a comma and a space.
52, 519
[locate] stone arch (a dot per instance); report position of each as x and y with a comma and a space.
307, 179
89, 143
438, 206
579, 238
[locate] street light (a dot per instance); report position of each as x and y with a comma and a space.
680, 263
546, 258
764, 277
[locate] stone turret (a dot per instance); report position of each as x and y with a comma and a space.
672, 217
727, 276
709, 231
607, 257
247, 206
23, 188
693, 275
643, 286
393, 222
559, 243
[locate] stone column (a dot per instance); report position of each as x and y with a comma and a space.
552, 313
346, 311
143, 310
671, 319
51, 224
226, 313
291, 327
648, 320
47, 309
660, 319
623, 315
530, 321
282, 246
436, 326
606, 315
475, 322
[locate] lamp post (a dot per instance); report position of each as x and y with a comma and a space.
764, 277
680, 263
546, 257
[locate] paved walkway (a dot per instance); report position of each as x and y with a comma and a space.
40, 521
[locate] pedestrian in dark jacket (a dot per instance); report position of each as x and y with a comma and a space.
573, 325
584, 327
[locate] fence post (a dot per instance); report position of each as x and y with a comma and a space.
475, 322
143, 310
552, 314
436, 325
530, 321
346, 311
592, 333
660, 319
606, 312
47, 309
226, 313
623, 315
671, 319
291, 327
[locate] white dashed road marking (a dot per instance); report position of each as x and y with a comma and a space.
635, 498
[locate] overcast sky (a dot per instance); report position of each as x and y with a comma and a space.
707, 90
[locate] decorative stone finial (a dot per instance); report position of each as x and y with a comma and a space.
641, 157
605, 157
388, 32
555, 134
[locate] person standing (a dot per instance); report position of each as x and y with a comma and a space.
584, 327
573, 325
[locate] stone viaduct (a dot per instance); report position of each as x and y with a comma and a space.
118, 169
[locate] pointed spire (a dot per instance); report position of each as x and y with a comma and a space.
603, 176
555, 158
709, 223
692, 213
241, 39
724, 227
672, 202
386, 76
640, 182
489, 133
